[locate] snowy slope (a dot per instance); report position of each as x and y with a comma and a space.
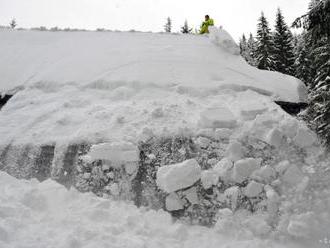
188, 61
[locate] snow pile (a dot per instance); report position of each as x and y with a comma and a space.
166, 121
99, 87
171, 178
224, 40
46, 214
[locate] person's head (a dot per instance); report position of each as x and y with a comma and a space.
207, 17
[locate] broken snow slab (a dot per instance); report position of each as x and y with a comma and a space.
114, 152
251, 109
173, 177
220, 117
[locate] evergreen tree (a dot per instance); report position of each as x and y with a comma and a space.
243, 46
248, 49
252, 48
168, 25
13, 23
317, 38
185, 28
303, 61
283, 46
265, 45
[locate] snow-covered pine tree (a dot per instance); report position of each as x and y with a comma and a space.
243, 46
283, 46
168, 25
303, 61
252, 48
185, 29
264, 49
317, 38
13, 23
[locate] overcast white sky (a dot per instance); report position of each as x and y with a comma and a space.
236, 16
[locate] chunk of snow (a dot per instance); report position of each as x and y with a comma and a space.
250, 109
173, 202
173, 177
304, 137
209, 178
220, 117
253, 189
244, 168
114, 189
293, 176
271, 194
212, 161
265, 174
224, 169
282, 167
131, 168
223, 133
232, 195
274, 138
223, 39
203, 142
116, 152
289, 127
206, 132
191, 195
234, 151
225, 212
87, 175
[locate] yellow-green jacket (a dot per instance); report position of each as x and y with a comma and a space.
205, 26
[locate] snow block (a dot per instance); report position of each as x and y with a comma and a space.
232, 194
253, 189
234, 151
171, 178
275, 138
293, 176
289, 127
115, 152
244, 168
224, 169
191, 195
209, 178
304, 137
220, 117
251, 109
223, 133
265, 174
223, 39
173, 202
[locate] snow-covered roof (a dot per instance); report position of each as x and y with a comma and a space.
191, 62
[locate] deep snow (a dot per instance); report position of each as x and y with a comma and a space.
116, 89
40, 215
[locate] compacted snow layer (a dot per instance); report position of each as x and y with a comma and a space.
46, 214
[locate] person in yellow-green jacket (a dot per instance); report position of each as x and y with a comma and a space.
205, 26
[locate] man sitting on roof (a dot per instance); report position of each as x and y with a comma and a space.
205, 26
